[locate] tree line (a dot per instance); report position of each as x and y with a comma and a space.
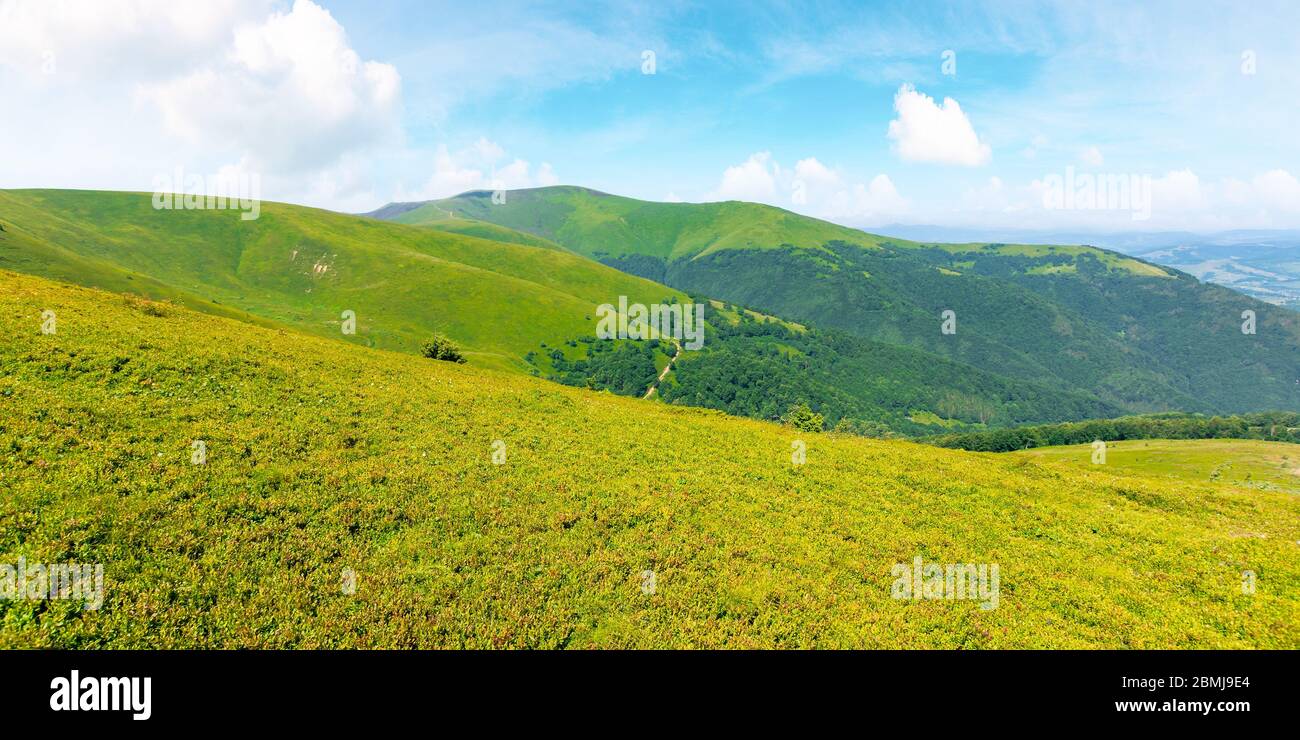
1280, 426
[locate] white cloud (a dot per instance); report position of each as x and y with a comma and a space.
290, 92
1278, 190
197, 86
488, 151
814, 173
753, 180
827, 195
875, 202
1179, 191
1091, 157
61, 42
811, 188
546, 176
476, 167
926, 132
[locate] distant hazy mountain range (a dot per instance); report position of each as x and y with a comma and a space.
1260, 263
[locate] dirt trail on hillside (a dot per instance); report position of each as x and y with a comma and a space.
655, 385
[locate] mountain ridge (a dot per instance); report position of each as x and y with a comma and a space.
1138, 335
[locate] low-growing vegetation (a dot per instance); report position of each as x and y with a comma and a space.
353, 497
1248, 463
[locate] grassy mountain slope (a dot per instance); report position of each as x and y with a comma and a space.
325, 456
1246, 463
508, 297
486, 230
303, 267
601, 225
1135, 335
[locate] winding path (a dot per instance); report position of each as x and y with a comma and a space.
664, 374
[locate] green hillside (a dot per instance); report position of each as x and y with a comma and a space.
600, 225
758, 366
1256, 464
486, 230
303, 267
1134, 335
326, 458
511, 299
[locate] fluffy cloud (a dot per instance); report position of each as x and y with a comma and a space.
811, 188
927, 132
812, 173
1266, 197
1277, 190
289, 91
875, 202
276, 89
826, 194
480, 166
75, 41
1177, 191
755, 179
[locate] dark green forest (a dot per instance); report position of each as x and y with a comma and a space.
760, 368
1279, 426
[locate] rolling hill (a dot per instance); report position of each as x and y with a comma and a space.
511, 299
303, 267
1137, 336
1246, 463
351, 497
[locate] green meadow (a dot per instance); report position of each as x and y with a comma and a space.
303, 267
1249, 463
332, 462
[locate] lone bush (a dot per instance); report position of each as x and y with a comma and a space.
442, 348
804, 419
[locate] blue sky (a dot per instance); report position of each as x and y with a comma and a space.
843, 111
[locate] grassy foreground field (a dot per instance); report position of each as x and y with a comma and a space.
324, 456
1273, 466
